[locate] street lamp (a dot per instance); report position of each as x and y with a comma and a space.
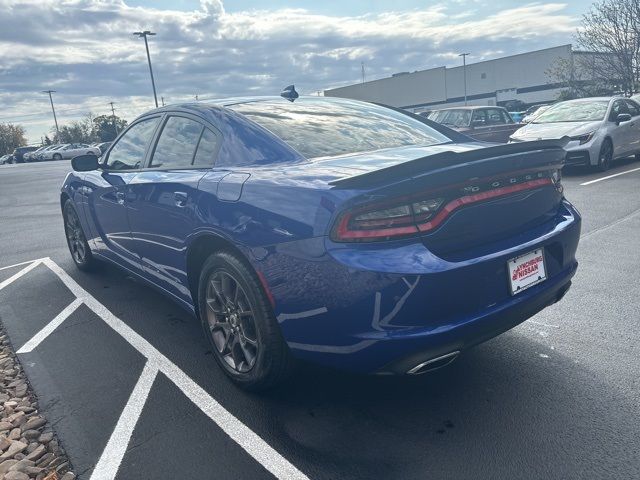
53, 110
464, 72
146, 44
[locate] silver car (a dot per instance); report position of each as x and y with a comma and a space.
73, 150
600, 129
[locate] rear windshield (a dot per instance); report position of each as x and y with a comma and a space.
320, 128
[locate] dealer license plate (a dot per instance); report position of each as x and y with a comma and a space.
526, 271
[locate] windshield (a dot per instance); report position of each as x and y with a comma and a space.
452, 118
574, 112
318, 128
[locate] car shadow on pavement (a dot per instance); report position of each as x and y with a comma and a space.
503, 410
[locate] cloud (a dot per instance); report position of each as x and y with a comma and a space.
84, 49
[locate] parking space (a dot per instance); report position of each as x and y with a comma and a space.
128, 382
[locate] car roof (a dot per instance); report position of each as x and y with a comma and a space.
204, 106
593, 99
468, 107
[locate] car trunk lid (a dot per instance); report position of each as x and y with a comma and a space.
455, 196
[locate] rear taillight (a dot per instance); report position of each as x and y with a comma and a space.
386, 221
411, 216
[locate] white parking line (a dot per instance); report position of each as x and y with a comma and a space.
50, 327
250, 441
111, 458
17, 275
608, 177
18, 264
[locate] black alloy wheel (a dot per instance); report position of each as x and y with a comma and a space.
605, 156
239, 323
76, 240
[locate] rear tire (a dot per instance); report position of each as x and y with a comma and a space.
605, 157
239, 323
637, 157
76, 239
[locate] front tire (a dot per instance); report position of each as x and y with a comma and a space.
238, 320
76, 239
57, 156
605, 157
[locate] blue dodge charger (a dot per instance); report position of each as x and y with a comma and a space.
344, 233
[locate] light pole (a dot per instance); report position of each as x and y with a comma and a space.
146, 44
113, 117
53, 110
464, 72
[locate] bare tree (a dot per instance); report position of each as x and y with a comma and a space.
576, 76
611, 28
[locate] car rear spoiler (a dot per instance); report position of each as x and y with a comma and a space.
444, 160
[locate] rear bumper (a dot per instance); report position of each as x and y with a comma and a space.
482, 328
384, 309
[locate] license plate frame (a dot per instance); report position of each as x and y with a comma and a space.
526, 270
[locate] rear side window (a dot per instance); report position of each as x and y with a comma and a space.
129, 151
206, 149
177, 144
323, 128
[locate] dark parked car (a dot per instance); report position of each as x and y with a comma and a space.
18, 153
349, 234
487, 124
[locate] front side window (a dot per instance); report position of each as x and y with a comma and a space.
618, 107
177, 144
479, 118
494, 116
128, 153
633, 108
320, 128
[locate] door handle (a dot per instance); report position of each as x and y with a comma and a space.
120, 197
180, 199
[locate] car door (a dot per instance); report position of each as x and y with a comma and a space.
498, 126
162, 199
67, 152
620, 133
105, 193
634, 127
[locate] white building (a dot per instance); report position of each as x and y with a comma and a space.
493, 82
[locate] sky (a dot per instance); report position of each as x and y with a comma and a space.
85, 50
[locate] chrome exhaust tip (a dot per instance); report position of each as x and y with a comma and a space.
434, 363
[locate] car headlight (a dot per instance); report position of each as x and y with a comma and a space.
584, 138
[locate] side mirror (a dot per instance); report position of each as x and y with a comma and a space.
84, 163
623, 117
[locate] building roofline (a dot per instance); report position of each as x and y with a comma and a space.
370, 82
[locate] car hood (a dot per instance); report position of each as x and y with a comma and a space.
544, 131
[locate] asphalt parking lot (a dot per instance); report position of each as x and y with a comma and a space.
128, 382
